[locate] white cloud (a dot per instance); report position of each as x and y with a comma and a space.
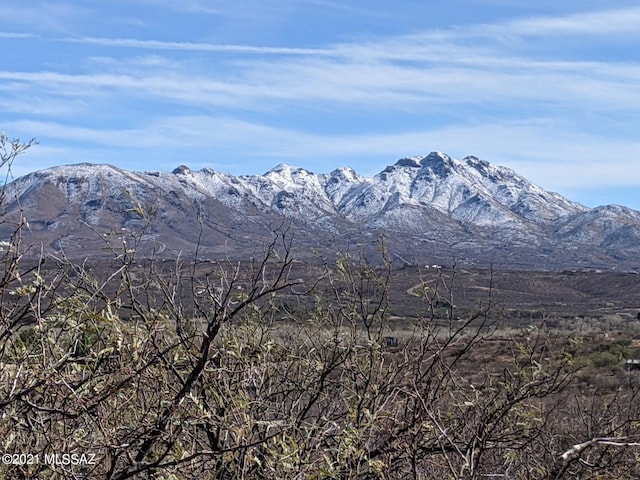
616, 22
46, 156
482, 89
371, 85
15, 35
399, 73
542, 150
194, 47
43, 16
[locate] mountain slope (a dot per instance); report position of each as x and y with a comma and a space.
428, 206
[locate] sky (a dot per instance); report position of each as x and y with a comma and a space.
550, 89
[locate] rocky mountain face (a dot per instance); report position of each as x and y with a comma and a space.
431, 209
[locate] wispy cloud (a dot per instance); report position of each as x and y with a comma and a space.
221, 7
46, 16
533, 148
195, 47
15, 35
482, 89
371, 84
622, 21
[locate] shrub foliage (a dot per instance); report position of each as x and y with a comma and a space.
210, 370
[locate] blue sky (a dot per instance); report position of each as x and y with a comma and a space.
550, 89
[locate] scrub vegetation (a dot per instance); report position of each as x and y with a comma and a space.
224, 370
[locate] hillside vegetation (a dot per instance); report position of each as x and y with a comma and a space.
224, 370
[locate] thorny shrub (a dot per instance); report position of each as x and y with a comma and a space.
118, 376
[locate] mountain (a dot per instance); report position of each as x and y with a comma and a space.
431, 208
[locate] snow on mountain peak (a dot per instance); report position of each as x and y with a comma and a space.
285, 169
344, 172
434, 197
476, 163
468, 190
436, 157
182, 170
279, 168
412, 162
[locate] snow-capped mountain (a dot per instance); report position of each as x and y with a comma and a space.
428, 206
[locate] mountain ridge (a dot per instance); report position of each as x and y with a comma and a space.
428, 205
